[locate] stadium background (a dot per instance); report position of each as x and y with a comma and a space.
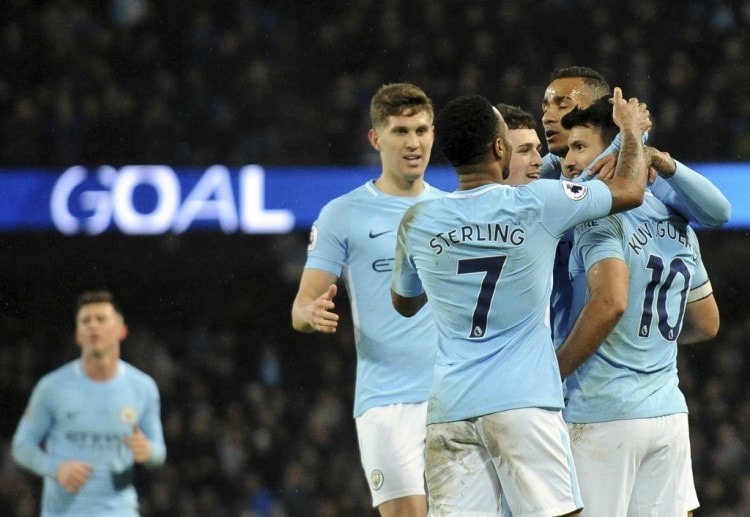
258, 418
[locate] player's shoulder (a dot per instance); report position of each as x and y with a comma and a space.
543, 190
351, 200
135, 374
65, 370
652, 210
60, 376
654, 205
431, 191
358, 193
613, 225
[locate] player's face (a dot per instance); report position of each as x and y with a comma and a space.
561, 96
584, 145
526, 160
99, 329
405, 144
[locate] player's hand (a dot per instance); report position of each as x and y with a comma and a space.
646, 123
661, 161
72, 475
139, 444
322, 317
604, 167
629, 114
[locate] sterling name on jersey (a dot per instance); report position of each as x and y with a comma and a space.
633, 374
354, 237
484, 257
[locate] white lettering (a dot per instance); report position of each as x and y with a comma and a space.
99, 202
211, 199
254, 218
164, 182
59, 208
113, 201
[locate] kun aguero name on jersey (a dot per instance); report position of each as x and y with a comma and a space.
650, 230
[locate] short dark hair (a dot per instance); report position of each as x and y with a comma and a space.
515, 117
98, 296
595, 81
598, 115
398, 99
465, 129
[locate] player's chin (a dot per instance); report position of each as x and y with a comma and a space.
557, 146
413, 173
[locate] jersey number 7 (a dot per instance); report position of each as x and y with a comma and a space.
491, 267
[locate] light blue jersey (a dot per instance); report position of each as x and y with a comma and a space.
688, 193
484, 257
77, 418
633, 374
354, 237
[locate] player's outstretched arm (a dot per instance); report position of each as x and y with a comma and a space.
312, 310
688, 192
607, 281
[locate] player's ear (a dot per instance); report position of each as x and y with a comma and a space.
498, 148
372, 135
123, 332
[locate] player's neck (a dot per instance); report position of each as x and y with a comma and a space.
101, 368
400, 186
474, 176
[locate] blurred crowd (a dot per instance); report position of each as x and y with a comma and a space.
258, 418
194, 83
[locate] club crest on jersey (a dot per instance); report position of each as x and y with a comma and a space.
574, 191
128, 415
313, 238
376, 479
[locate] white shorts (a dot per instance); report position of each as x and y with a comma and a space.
635, 467
515, 462
391, 447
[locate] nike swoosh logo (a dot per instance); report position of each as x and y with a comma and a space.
373, 235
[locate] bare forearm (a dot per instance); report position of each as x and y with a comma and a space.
701, 321
629, 182
589, 332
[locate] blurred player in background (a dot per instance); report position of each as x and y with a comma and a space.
354, 237
635, 275
91, 420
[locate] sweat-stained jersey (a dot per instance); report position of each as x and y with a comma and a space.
354, 237
484, 257
77, 418
633, 374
